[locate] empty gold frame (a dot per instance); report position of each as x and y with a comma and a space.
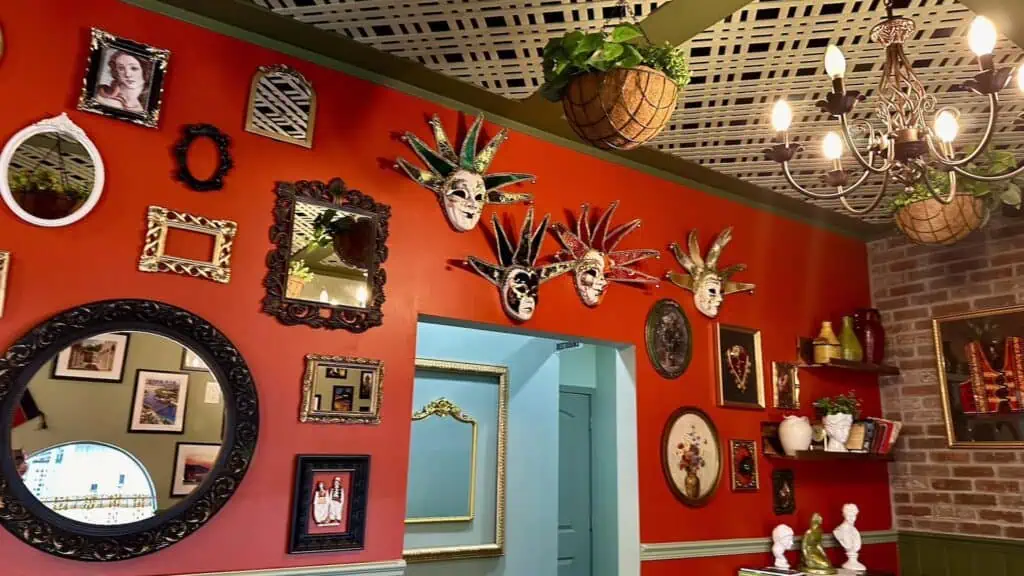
497, 547
5, 264
341, 390
154, 258
282, 106
443, 409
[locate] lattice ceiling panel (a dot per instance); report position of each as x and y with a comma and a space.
775, 48
494, 44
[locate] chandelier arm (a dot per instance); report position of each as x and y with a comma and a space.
874, 202
867, 164
805, 191
997, 178
948, 199
993, 115
847, 190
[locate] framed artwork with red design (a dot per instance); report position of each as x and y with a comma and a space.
329, 506
980, 362
743, 459
739, 367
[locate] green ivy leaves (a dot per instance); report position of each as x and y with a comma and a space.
993, 162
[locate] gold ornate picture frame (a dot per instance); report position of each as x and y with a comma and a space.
316, 408
5, 265
445, 408
497, 547
155, 259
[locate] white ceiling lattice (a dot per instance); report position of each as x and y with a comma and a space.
768, 49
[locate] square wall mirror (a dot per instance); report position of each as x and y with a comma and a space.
341, 390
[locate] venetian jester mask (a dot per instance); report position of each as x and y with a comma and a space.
515, 275
460, 180
708, 284
595, 261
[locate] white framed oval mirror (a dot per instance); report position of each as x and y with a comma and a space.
51, 173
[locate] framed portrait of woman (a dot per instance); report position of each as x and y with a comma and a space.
124, 79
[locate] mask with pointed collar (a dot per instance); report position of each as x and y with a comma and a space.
708, 284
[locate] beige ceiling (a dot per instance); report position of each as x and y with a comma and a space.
766, 49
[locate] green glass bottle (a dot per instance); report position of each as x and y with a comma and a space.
849, 346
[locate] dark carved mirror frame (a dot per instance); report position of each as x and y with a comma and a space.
291, 312
189, 134
31, 521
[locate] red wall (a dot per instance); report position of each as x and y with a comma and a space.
803, 275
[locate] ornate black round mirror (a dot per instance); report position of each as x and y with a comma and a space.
125, 425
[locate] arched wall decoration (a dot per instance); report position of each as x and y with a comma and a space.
282, 106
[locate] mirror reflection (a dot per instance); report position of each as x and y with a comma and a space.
442, 458
51, 175
282, 106
118, 427
332, 253
344, 389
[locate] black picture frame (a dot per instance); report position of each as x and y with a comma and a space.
291, 312
669, 338
184, 365
26, 517
135, 395
154, 61
365, 385
189, 134
783, 492
300, 541
736, 389
174, 465
120, 378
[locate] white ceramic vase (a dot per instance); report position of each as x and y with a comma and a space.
795, 434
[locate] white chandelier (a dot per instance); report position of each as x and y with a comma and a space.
906, 149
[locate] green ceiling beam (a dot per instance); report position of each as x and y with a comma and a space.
246, 21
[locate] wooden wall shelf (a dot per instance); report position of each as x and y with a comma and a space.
823, 455
805, 351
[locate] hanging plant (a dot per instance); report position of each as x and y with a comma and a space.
43, 193
618, 90
926, 220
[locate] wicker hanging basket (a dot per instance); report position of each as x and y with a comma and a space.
620, 109
932, 222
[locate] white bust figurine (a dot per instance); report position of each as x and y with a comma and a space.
838, 432
782, 540
849, 538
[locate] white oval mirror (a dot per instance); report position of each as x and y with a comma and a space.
51, 173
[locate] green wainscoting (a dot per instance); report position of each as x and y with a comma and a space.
928, 554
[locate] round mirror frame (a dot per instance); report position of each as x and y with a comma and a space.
31, 521
62, 125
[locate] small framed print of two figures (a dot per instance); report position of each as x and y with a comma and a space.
329, 507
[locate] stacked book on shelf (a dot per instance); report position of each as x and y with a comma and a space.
873, 436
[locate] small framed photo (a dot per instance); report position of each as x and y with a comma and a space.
785, 386
98, 358
783, 492
124, 79
193, 462
158, 404
329, 507
740, 381
366, 385
335, 372
744, 465
191, 361
341, 399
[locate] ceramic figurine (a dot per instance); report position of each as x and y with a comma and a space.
826, 345
460, 181
517, 277
837, 427
795, 434
813, 560
849, 538
594, 256
708, 284
782, 540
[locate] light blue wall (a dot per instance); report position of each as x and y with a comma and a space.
605, 486
578, 366
531, 536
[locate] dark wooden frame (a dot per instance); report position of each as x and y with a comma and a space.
158, 58
676, 415
291, 312
120, 379
756, 372
174, 467
650, 337
299, 542
778, 476
31, 521
135, 395
189, 134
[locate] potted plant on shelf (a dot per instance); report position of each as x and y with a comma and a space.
837, 414
618, 90
42, 193
298, 276
926, 220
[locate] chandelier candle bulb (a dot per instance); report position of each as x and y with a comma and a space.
946, 126
832, 147
982, 40
835, 62
782, 115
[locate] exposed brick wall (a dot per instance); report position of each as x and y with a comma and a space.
935, 488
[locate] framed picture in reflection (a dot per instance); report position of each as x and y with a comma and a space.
192, 362
193, 462
366, 385
99, 358
158, 404
329, 506
342, 399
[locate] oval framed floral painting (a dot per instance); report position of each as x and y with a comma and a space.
691, 456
